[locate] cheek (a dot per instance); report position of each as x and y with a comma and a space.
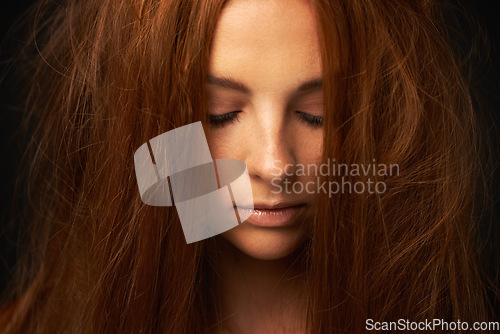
309, 147
309, 150
224, 143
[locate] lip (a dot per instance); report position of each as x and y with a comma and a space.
264, 215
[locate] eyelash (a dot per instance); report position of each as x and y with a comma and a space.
224, 119
229, 118
314, 121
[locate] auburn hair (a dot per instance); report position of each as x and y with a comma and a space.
109, 75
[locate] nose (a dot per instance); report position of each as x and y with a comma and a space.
271, 158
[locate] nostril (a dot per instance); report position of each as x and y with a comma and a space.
282, 169
272, 170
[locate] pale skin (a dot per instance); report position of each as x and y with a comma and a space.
265, 69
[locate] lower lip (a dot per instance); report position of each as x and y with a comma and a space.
274, 217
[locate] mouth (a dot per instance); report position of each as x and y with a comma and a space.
273, 216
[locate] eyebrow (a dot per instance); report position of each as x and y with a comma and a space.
311, 84
230, 83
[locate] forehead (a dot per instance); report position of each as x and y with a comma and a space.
256, 38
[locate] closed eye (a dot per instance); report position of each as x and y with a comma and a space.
224, 119
311, 120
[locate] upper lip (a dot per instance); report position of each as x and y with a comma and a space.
275, 206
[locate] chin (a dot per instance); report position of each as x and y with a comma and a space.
265, 243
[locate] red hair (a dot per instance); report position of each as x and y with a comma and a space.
109, 75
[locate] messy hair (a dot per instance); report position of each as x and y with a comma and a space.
108, 75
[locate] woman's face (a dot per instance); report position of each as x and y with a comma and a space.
266, 109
